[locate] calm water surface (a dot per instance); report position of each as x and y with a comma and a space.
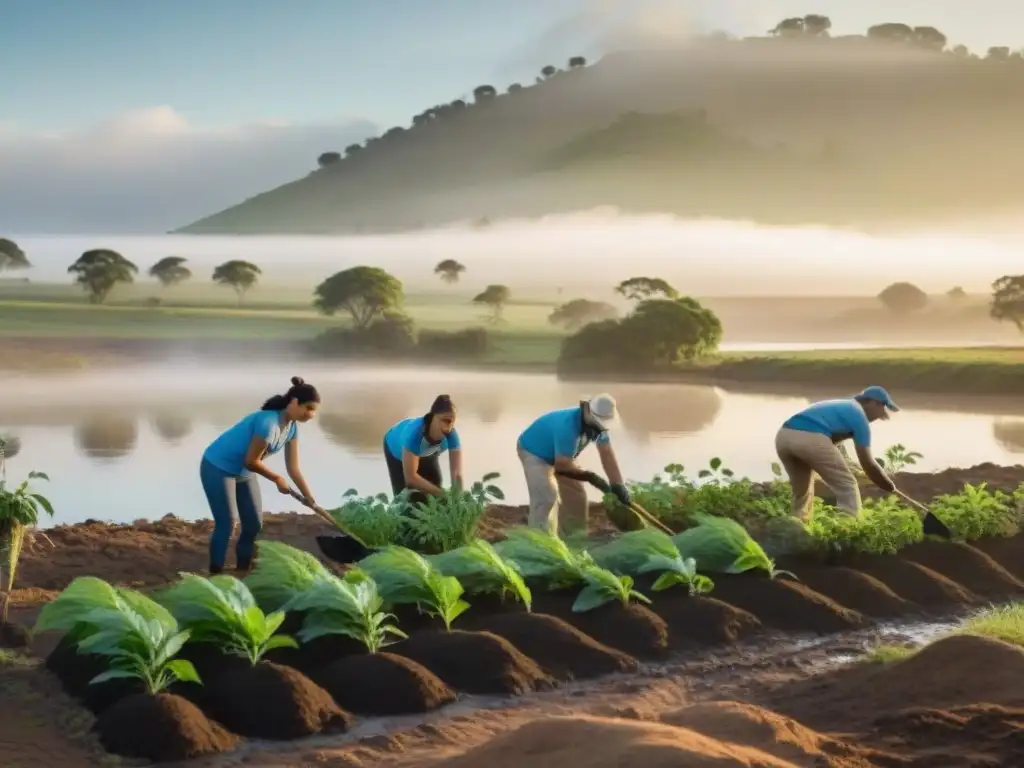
127, 445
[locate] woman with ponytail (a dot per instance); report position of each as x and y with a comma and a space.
231, 461
413, 447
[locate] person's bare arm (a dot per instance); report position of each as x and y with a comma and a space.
413, 479
871, 468
568, 466
254, 461
610, 463
455, 465
291, 462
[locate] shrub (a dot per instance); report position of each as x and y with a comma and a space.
467, 343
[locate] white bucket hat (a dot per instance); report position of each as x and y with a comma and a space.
603, 411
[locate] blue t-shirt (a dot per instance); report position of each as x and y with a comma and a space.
558, 433
410, 434
227, 452
837, 419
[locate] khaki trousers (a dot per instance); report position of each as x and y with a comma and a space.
558, 505
804, 454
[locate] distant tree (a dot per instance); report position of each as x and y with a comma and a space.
238, 275
816, 25
642, 288
449, 270
11, 256
423, 118
98, 271
353, 149
962, 51
495, 297
457, 105
998, 53
576, 62
956, 294
170, 270
1008, 300
365, 293
577, 313
893, 32
929, 38
328, 158
903, 298
549, 71
393, 133
515, 88
790, 27
484, 93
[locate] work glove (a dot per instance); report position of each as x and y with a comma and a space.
621, 493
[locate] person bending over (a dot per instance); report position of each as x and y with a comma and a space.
548, 449
807, 444
413, 448
230, 463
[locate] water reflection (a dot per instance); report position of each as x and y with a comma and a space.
106, 437
651, 410
171, 428
1009, 433
359, 420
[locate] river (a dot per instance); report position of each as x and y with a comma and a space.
125, 445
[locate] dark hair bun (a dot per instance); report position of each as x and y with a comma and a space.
297, 381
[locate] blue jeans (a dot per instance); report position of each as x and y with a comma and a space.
232, 497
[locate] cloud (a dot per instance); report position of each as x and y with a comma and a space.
151, 170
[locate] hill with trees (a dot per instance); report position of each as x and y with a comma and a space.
899, 124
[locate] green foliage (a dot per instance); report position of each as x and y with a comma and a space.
577, 313
449, 345
449, 270
349, 606
884, 527
977, 512
20, 508
406, 578
481, 570
240, 276
651, 551
222, 611
365, 293
170, 270
1008, 300
603, 586
449, 521
646, 288
373, 521
98, 271
495, 297
903, 298
282, 572
719, 545
11, 256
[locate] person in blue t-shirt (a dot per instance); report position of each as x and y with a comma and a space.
548, 449
413, 448
807, 444
231, 461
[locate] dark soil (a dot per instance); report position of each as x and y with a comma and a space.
857, 591
786, 605
474, 662
915, 583
161, 728
14, 636
965, 565
632, 628
702, 621
210, 662
270, 701
383, 684
1008, 552
999, 729
558, 647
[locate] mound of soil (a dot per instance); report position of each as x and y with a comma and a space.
985, 734
474, 662
558, 647
702, 621
786, 605
632, 628
593, 742
383, 684
75, 671
210, 662
956, 671
965, 565
270, 701
916, 583
857, 591
161, 728
14, 636
1007, 551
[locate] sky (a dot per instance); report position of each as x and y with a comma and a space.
146, 94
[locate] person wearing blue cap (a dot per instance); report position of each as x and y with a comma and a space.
807, 445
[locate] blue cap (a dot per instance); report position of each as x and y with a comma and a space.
879, 394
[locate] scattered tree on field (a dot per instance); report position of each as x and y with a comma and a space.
549, 71
238, 275
328, 158
365, 293
643, 288
576, 62
956, 294
495, 297
577, 313
11, 256
99, 270
903, 298
1008, 300
484, 93
449, 270
353, 149
170, 270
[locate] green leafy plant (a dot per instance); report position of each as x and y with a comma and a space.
405, 577
716, 472
450, 521
20, 509
603, 586
222, 611
481, 570
543, 556
651, 551
977, 512
281, 572
663, 496
720, 545
884, 527
349, 606
373, 521
895, 459
138, 636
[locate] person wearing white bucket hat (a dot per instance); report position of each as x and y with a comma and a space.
548, 449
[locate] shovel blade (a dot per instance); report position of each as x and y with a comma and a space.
342, 549
935, 527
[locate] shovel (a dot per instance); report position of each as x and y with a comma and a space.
931, 524
645, 516
341, 548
